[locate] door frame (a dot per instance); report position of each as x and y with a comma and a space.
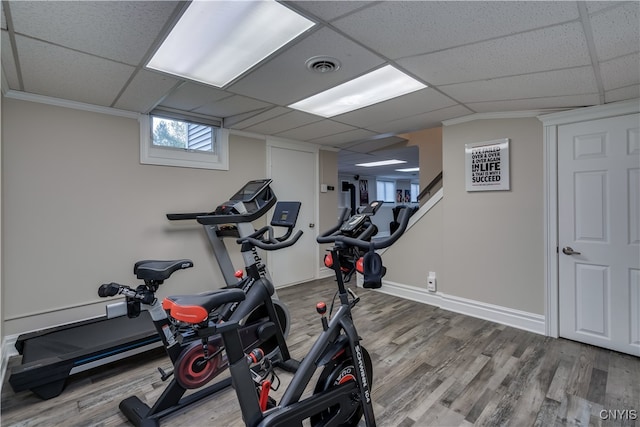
550, 195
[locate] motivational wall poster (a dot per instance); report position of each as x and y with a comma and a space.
487, 165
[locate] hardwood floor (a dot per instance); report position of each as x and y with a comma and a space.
431, 368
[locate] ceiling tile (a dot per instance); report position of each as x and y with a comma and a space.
190, 96
62, 73
231, 106
243, 121
621, 72
344, 137
8, 63
119, 30
374, 144
552, 102
285, 79
617, 31
290, 120
560, 46
329, 10
315, 130
548, 83
421, 121
622, 94
145, 89
596, 6
407, 105
447, 24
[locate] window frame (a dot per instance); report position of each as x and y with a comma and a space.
151, 154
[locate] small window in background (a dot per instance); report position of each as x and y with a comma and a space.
184, 142
386, 191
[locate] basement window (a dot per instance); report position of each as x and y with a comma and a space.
176, 139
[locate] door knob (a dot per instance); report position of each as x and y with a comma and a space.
568, 250
311, 225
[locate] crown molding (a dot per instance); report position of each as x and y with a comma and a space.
497, 115
48, 100
592, 113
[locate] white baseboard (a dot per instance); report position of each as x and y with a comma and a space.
8, 351
506, 316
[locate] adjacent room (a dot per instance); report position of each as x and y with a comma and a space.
320, 213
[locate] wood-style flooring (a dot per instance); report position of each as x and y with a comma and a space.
431, 368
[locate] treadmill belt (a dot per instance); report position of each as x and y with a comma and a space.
102, 334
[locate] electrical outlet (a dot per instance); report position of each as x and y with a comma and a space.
431, 281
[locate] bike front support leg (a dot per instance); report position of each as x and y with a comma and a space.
361, 370
241, 375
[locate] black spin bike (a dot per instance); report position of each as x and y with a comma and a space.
342, 393
197, 359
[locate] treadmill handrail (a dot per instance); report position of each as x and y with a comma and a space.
186, 216
271, 244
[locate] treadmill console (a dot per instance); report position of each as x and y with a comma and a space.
250, 198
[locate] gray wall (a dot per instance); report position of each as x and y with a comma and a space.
484, 246
493, 247
79, 210
418, 252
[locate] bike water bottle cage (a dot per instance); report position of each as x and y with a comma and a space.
195, 309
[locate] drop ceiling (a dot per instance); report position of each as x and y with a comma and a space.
475, 57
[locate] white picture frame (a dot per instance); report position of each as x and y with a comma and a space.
487, 165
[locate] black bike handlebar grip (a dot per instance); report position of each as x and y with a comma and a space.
108, 290
403, 219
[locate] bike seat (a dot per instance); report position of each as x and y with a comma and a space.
196, 308
159, 270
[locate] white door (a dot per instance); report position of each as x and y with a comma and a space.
294, 179
599, 232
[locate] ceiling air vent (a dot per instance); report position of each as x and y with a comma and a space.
322, 64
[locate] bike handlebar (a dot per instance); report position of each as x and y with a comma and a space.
112, 289
331, 236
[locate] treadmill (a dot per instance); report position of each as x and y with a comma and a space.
50, 356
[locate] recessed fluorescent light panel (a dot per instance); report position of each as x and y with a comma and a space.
214, 42
408, 170
381, 163
377, 86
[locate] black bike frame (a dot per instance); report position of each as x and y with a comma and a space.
291, 410
257, 293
